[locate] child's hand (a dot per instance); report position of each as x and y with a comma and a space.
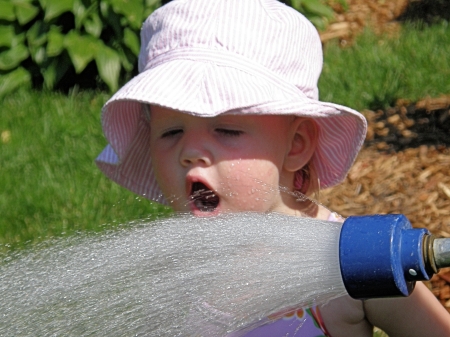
417, 315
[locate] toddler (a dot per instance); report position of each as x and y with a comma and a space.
224, 117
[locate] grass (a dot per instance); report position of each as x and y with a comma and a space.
50, 185
376, 71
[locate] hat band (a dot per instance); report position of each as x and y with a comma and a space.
225, 59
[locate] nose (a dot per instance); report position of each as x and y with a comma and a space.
195, 151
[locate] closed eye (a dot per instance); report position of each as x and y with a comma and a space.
171, 133
229, 132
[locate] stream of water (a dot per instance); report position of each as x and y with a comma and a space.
180, 276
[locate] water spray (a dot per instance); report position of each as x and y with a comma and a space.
186, 276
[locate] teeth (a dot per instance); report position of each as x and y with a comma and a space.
204, 199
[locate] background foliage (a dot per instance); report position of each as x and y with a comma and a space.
376, 70
50, 185
60, 43
57, 44
317, 11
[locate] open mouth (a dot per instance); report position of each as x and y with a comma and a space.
203, 198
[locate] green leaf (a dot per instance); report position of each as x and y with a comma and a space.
319, 22
36, 38
19, 39
38, 55
87, 17
7, 12
104, 8
6, 36
133, 10
344, 4
150, 7
297, 4
11, 58
112, 19
93, 25
127, 59
108, 65
81, 49
37, 34
14, 80
131, 40
152, 3
55, 44
53, 8
317, 8
79, 12
55, 71
25, 11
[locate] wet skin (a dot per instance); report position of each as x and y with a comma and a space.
232, 160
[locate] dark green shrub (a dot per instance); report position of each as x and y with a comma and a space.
50, 43
317, 11
427, 12
57, 44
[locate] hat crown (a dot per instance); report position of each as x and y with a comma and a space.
265, 33
209, 57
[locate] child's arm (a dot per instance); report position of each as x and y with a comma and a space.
419, 315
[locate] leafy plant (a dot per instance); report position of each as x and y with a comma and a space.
318, 12
48, 42
52, 43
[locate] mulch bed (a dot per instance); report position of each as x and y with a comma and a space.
411, 125
404, 167
380, 15
440, 286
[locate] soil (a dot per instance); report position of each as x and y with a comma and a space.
404, 166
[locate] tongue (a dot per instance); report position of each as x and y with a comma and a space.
204, 198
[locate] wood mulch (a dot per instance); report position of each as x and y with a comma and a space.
349, 22
404, 167
383, 16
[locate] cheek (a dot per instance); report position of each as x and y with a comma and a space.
262, 171
164, 171
251, 184
251, 170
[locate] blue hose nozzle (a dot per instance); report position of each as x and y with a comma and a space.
383, 256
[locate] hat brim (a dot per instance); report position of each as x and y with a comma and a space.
208, 89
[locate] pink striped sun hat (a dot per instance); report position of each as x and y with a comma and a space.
209, 57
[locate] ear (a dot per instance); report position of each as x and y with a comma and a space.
303, 140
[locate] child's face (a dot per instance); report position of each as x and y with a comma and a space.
219, 164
